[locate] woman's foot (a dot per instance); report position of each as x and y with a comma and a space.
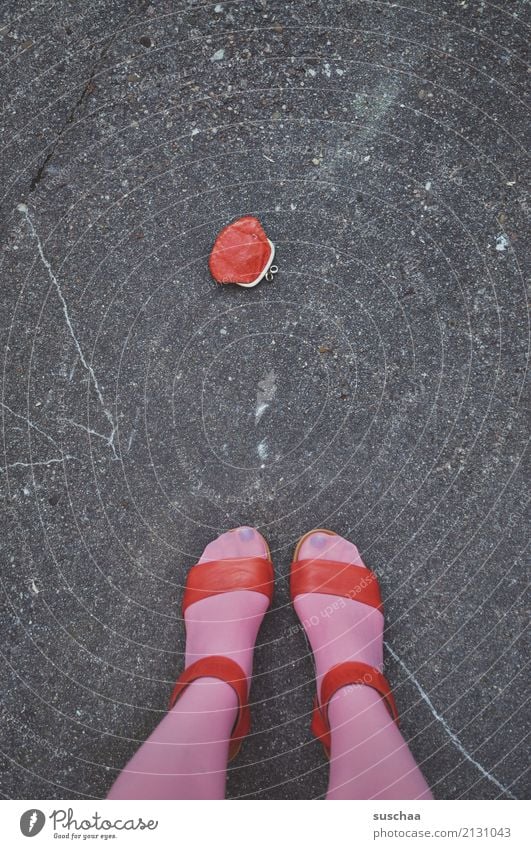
369, 757
186, 755
338, 628
227, 624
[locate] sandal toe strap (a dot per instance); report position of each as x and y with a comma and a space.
334, 577
232, 573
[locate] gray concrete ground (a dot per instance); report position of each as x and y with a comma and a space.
382, 145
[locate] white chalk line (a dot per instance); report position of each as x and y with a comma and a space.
23, 209
453, 737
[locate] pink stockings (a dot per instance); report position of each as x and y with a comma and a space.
186, 755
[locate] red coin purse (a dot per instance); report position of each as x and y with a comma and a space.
242, 254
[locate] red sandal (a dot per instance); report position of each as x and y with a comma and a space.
338, 578
212, 578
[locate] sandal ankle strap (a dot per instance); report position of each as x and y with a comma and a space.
342, 675
230, 672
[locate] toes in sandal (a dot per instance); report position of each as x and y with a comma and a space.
212, 578
335, 577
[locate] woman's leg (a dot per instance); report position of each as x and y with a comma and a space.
369, 757
186, 755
